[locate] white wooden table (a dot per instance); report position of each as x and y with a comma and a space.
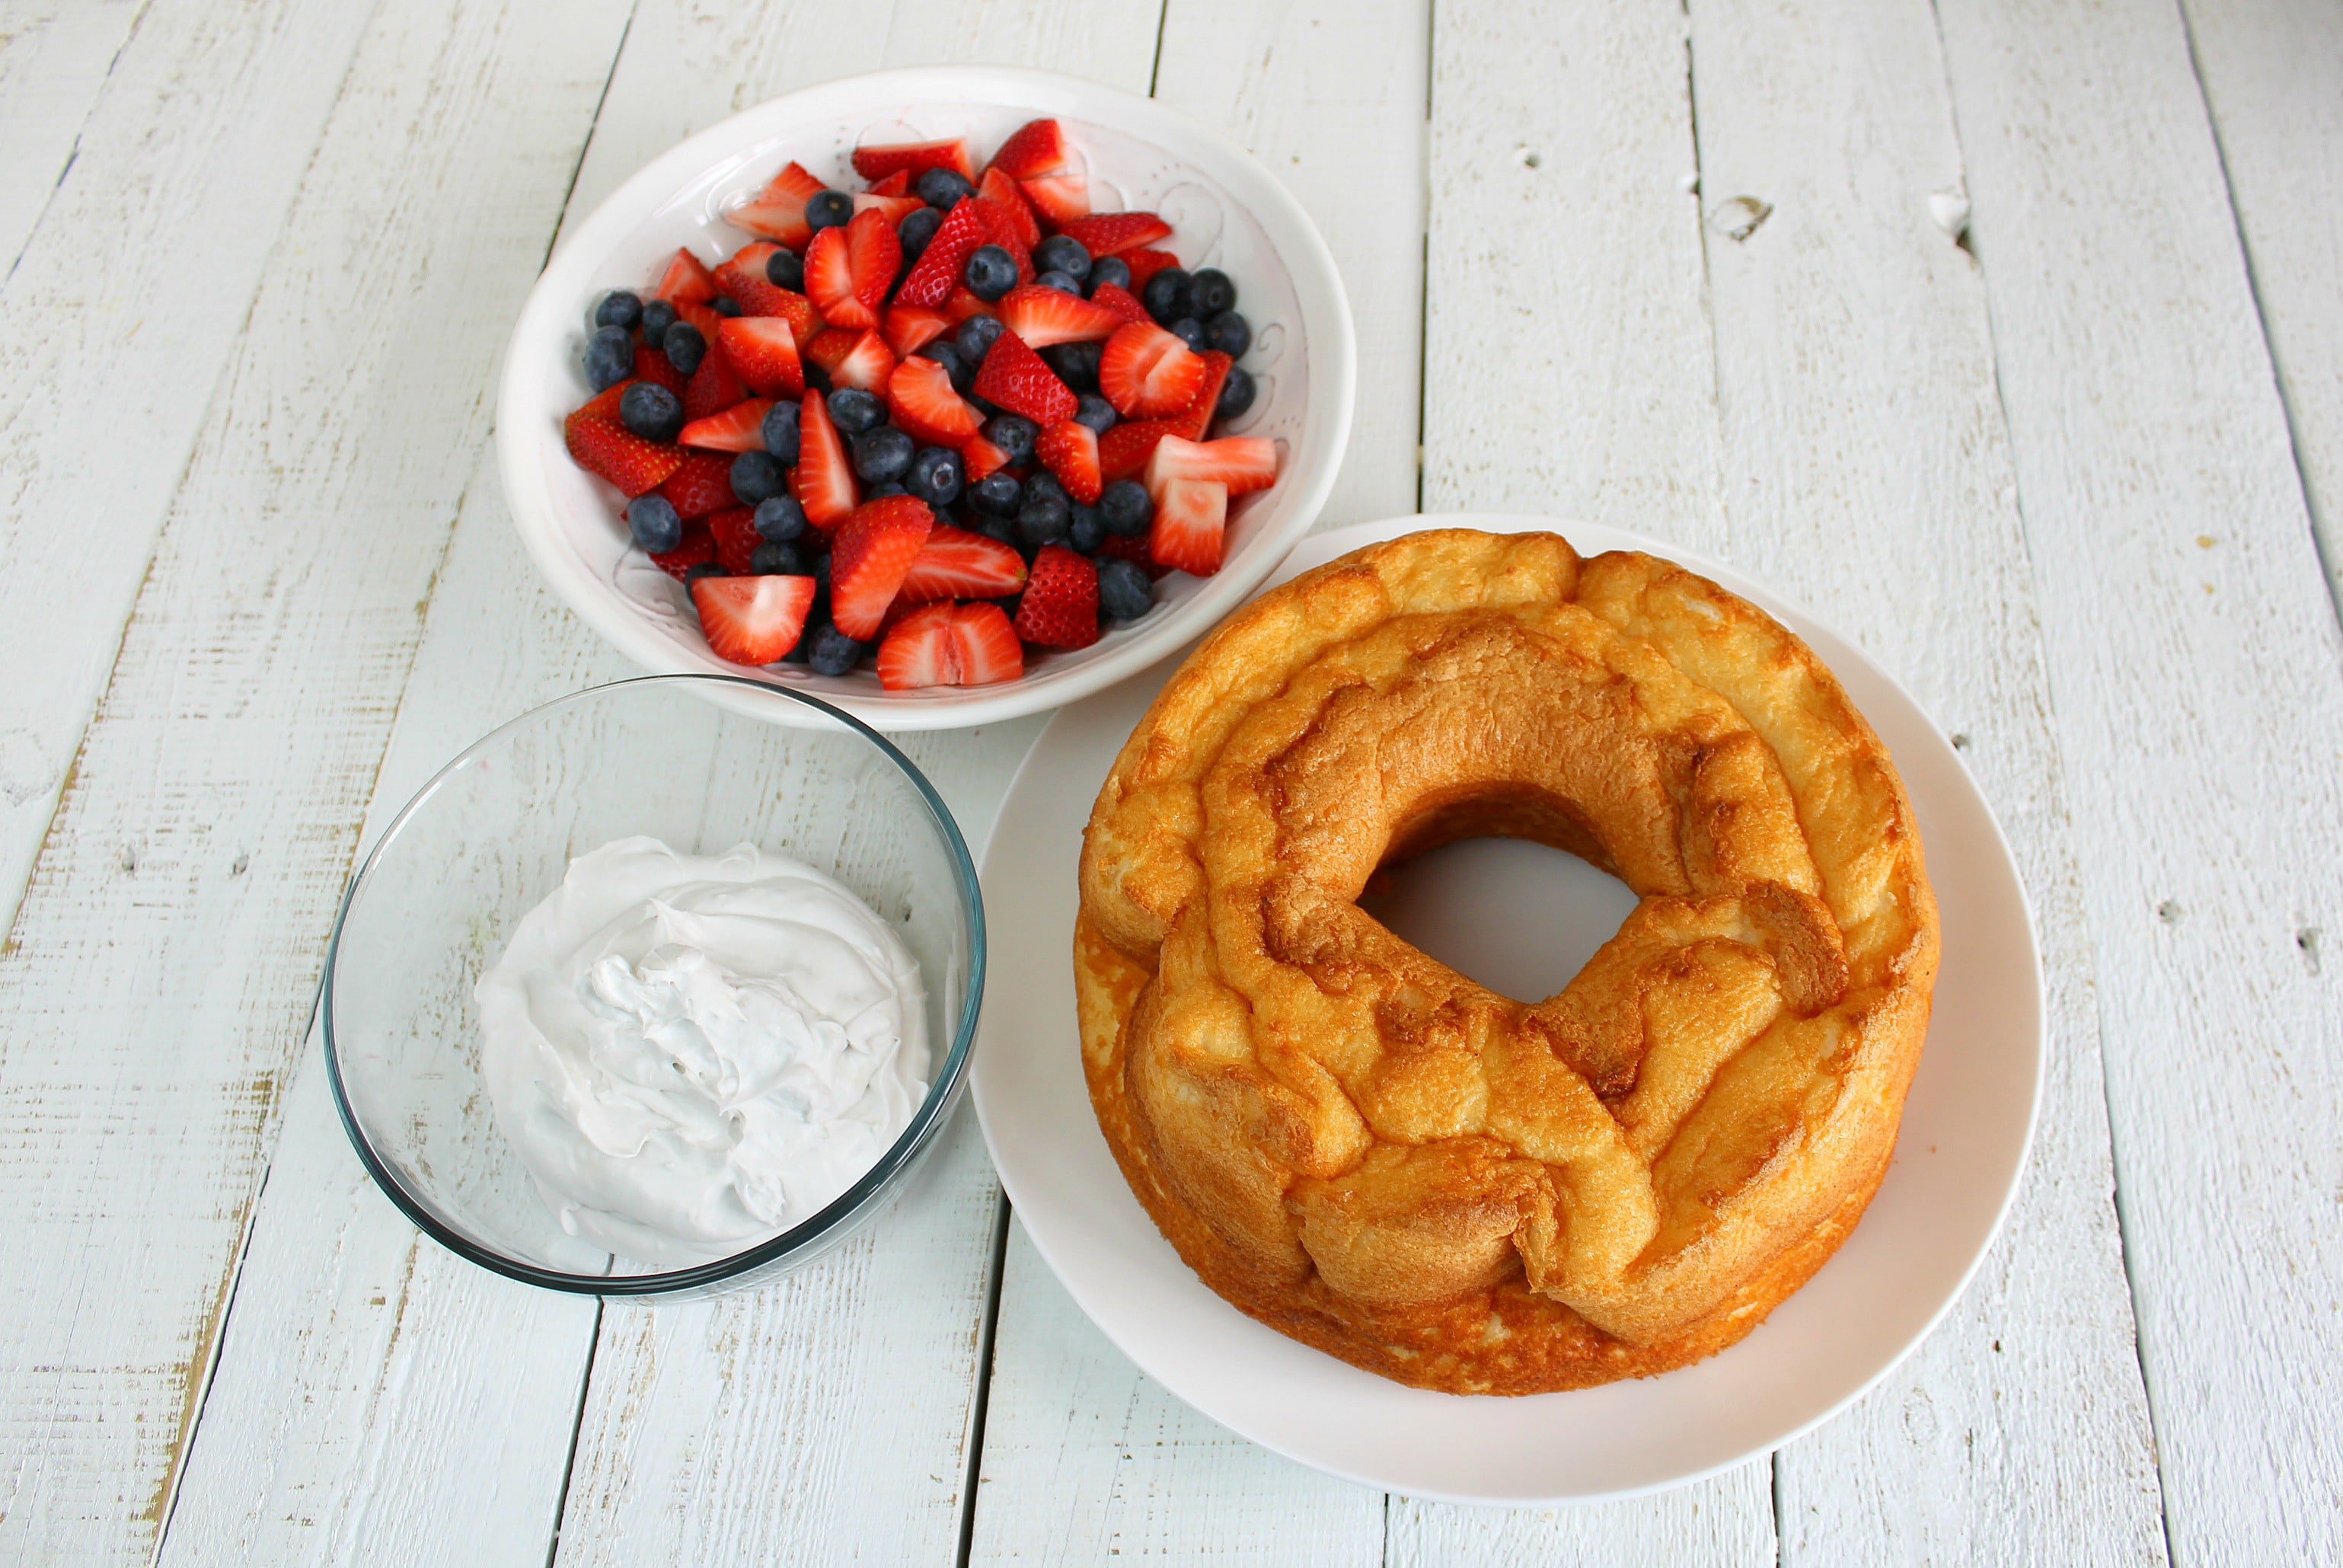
2068, 477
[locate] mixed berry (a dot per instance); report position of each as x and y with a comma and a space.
929, 424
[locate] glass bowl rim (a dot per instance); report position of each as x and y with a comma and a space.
941, 1092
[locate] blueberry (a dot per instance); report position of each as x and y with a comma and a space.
757, 478
990, 272
619, 307
1077, 364
828, 209
609, 358
652, 520
1043, 519
853, 410
1108, 269
1125, 509
1188, 330
1124, 592
1166, 296
684, 347
1088, 532
976, 337
884, 487
1013, 433
1236, 393
914, 232
1004, 530
782, 432
1063, 253
780, 519
772, 558
1096, 412
821, 574
786, 269
997, 494
882, 454
942, 189
698, 569
1230, 332
942, 352
833, 652
724, 305
650, 411
658, 316
935, 476
1210, 292
1045, 483
1063, 282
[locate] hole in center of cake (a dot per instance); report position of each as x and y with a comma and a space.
1517, 916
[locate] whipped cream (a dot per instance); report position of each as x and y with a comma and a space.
692, 1053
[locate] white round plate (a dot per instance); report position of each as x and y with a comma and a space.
1226, 211
1965, 1134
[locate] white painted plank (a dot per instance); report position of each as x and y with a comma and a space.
115, 323
2269, 70
1867, 474
54, 59
153, 988
1729, 1519
2202, 720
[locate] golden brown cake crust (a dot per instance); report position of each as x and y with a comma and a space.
1460, 1190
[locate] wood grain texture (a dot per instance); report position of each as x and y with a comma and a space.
1727, 1520
53, 60
2193, 656
153, 988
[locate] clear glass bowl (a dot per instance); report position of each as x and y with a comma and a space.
704, 762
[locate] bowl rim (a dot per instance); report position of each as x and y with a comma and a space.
942, 1090
1326, 327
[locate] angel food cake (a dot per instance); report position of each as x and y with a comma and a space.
1458, 1189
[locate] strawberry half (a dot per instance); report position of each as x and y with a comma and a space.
957, 564
823, 480
1241, 463
739, 429
1146, 372
964, 304
697, 545
1145, 264
849, 269
868, 563
933, 276
867, 364
1059, 608
1059, 199
653, 364
1014, 377
778, 212
686, 281
763, 350
894, 185
985, 648
1124, 449
1002, 191
921, 398
980, 458
752, 620
702, 317
910, 327
950, 644
1070, 451
1035, 148
893, 208
914, 158
603, 405
605, 447
1124, 304
1042, 316
743, 277
1113, 233
1190, 517
1001, 226
734, 529
1192, 421
716, 386
701, 484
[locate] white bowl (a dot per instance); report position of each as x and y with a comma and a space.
1226, 210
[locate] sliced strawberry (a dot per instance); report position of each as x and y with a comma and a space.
829, 347
866, 365
980, 458
763, 351
1146, 372
1191, 516
701, 484
923, 406
1240, 463
823, 480
1124, 304
914, 158
697, 545
734, 528
984, 646
778, 212
933, 276
894, 185
1059, 608
1116, 546
653, 364
685, 281
893, 208
1035, 148
1014, 377
743, 277
752, 619
910, 327
957, 564
964, 304
919, 650
1192, 421
716, 386
608, 448
1070, 450
1124, 449
1113, 233
849, 270
1001, 226
868, 562
1058, 199
603, 405
1042, 316
1145, 264
1002, 191
739, 429
700, 315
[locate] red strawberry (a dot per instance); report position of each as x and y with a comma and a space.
893, 208
716, 386
1124, 449
1002, 191
849, 269
1113, 233
752, 620
608, 448
823, 480
918, 650
957, 564
701, 484
734, 529
1001, 226
1014, 377
1058, 199
1042, 316
603, 405
1070, 451
739, 429
700, 315
1146, 372
1145, 264
914, 158
921, 398
984, 646
866, 364
743, 277
1036, 148
910, 327
1191, 516
829, 347
932, 276
872, 552
894, 185
652, 365
697, 545
763, 351
778, 212
1241, 463
1124, 304
1059, 608
980, 458
685, 281
964, 304
1192, 421
1115, 546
